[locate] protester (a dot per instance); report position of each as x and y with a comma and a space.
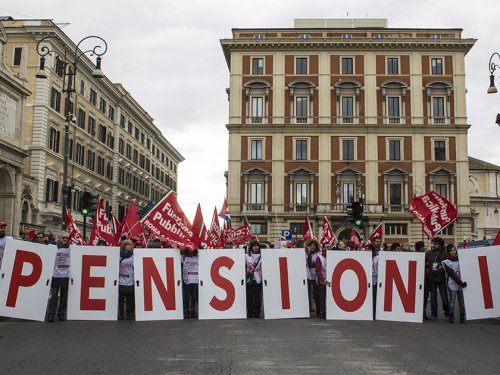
253, 279
126, 299
190, 279
322, 283
451, 266
420, 248
155, 243
395, 246
340, 246
3, 239
40, 238
60, 280
377, 242
371, 247
437, 278
312, 288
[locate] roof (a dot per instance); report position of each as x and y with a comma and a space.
476, 164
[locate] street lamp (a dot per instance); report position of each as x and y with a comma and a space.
492, 67
70, 64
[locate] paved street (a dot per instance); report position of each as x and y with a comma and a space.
296, 346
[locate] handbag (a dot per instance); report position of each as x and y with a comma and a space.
250, 279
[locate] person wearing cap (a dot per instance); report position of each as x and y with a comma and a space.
60, 280
3, 239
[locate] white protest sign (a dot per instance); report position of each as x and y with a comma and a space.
400, 286
222, 292
26, 274
93, 287
285, 286
350, 295
479, 269
158, 285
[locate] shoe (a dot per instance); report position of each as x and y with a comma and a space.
426, 317
120, 317
451, 318
62, 317
447, 315
194, 315
249, 316
50, 318
462, 318
434, 317
127, 317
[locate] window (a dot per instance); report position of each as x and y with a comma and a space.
396, 229
301, 109
148, 145
54, 136
256, 149
51, 190
259, 228
378, 36
129, 152
435, 36
121, 146
82, 87
80, 121
110, 141
130, 128
394, 149
346, 36
348, 149
91, 128
136, 156
256, 196
55, 99
137, 134
59, 67
392, 65
301, 65
347, 109
393, 109
111, 112
109, 170
18, 52
301, 149
347, 65
142, 161
448, 231
304, 36
257, 65
347, 193
395, 195
91, 160
440, 150
436, 66
143, 138
257, 109
297, 228
122, 121
70, 151
93, 96
100, 165
300, 196
102, 105
441, 189
438, 110
80, 154
102, 133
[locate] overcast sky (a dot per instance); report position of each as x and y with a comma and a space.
167, 55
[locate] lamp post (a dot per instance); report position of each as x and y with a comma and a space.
69, 67
493, 89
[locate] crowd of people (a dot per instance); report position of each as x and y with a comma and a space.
442, 274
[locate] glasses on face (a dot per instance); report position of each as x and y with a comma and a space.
64, 238
39, 237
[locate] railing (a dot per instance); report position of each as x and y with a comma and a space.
438, 120
396, 208
347, 120
394, 120
301, 120
321, 208
256, 119
255, 207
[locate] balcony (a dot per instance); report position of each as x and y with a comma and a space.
439, 120
301, 120
396, 208
394, 120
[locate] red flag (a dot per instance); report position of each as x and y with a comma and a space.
241, 234
377, 232
215, 233
131, 226
227, 233
308, 231
198, 221
101, 228
497, 239
168, 219
433, 211
117, 227
354, 239
204, 237
224, 211
75, 237
327, 234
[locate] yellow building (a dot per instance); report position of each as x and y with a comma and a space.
334, 111
114, 147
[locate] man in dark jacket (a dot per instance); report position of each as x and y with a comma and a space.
437, 277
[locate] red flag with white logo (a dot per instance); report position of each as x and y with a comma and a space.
131, 226
355, 240
308, 231
215, 233
117, 226
74, 237
377, 232
241, 234
101, 230
327, 234
166, 218
433, 211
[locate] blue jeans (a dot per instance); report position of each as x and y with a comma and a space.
461, 305
444, 297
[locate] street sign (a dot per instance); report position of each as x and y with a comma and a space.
287, 233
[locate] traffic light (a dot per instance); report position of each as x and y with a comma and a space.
357, 213
85, 203
94, 201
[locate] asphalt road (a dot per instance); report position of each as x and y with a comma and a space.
252, 346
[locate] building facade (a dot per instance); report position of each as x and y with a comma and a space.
334, 111
484, 189
114, 147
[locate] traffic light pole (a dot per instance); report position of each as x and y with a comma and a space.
85, 228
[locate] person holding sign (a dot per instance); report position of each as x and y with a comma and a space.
455, 283
254, 279
437, 278
60, 280
322, 283
190, 279
126, 298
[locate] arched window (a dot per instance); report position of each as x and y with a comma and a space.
393, 102
438, 102
257, 102
301, 102
347, 102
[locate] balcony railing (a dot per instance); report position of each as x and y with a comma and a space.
394, 120
321, 208
255, 207
396, 208
301, 120
438, 120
